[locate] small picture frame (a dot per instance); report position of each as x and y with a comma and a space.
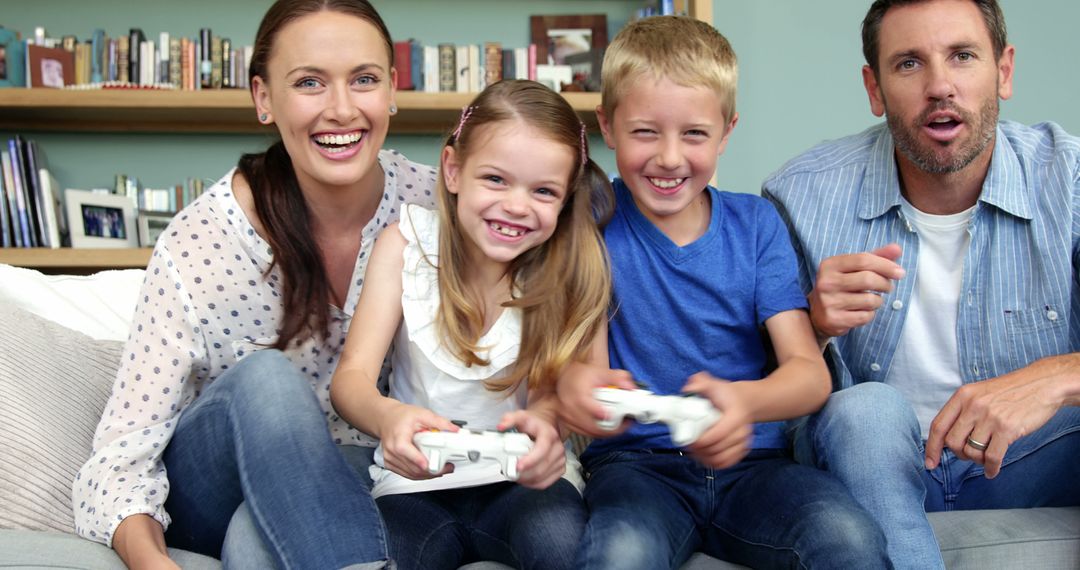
98, 220
151, 225
12, 59
557, 37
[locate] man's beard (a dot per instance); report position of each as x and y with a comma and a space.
938, 160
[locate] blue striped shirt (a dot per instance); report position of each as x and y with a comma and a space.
1020, 294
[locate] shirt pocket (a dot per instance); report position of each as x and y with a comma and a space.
1035, 333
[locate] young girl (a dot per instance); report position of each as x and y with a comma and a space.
486, 301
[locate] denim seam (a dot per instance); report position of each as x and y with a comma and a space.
798, 557
510, 549
423, 545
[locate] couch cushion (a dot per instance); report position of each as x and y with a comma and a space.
1045, 538
31, 550
53, 385
99, 305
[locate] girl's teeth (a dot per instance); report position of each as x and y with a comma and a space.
510, 232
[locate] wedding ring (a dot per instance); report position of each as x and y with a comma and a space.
976, 444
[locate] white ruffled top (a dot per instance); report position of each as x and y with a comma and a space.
428, 375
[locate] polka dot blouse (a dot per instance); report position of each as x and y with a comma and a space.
205, 304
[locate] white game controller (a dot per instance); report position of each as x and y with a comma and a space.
688, 416
467, 446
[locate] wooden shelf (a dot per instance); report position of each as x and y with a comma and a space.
75, 261
211, 111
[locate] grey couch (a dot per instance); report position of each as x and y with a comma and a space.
54, 381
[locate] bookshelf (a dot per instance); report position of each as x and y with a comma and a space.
210, 111
206, 112
75, 261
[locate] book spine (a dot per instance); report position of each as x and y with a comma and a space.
175, 61
12, 198
447, 68
32, 158
135, 39
492, 62
431, 69
98, 56
123, 67
416, 57
476, 69
5, 217
53, 205
215, 62
164, 57
228, 74
507, 64
532, 62
206, 65
461, 72
403, 65
20, 193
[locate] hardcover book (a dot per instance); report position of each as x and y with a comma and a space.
447, 68
493, 71
12, 198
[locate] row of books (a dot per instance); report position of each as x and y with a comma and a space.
460, 68
34, 210
203, 62
158, 200
30, 207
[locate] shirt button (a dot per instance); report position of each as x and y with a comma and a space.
875, 367
897, 305
1052, 315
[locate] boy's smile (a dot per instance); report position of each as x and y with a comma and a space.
667, 138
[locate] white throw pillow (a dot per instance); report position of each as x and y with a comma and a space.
54, 383
100, 306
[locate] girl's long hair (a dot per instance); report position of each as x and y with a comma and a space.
562, 286
279, 203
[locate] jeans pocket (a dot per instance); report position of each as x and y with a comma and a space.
1033, 333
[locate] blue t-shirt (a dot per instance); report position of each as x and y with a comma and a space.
681, 310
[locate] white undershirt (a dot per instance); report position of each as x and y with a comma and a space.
925, 367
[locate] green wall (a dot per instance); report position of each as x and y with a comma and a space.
799, 74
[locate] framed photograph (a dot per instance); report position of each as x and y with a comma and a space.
100, 220
558, 37
151, 224
554, 76
12, 60
49, 67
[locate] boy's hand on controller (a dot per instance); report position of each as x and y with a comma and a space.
400, 454
546, 462
579, 409
728, 440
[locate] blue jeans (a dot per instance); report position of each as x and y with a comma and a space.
869, 437
257, 436
502, 522
653, 509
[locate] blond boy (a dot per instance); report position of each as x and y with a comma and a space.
696, 273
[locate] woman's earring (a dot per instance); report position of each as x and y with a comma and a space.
393, 109
263, 117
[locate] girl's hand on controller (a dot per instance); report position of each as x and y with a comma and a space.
728, 440
400, 454
546, 462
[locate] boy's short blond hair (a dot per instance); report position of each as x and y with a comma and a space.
684, 50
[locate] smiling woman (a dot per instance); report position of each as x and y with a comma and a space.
247, 298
